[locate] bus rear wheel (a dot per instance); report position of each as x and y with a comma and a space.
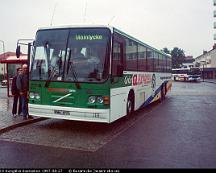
163, 92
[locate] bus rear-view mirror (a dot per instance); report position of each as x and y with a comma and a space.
18, 51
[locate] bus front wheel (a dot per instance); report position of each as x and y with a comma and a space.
130, 104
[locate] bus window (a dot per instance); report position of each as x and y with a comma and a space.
156, 59
131, 55
169, 64
117, 58
141, 58
150, 60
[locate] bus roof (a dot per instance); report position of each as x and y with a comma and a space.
112, 29
144, 44
76, 26
181, 69
188, 68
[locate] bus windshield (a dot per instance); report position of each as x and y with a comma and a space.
76, 55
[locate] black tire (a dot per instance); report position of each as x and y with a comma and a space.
130, 104
165, 89
162, 93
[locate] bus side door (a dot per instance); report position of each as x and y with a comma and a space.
118, 92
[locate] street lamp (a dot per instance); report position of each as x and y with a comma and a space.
203, 63
3, 45
3, 54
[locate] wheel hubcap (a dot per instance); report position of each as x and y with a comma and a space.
129, 105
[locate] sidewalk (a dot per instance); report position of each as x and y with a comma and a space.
209, 80
7, 121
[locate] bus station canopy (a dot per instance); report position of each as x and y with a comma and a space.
12, 59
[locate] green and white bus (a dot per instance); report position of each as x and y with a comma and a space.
113, 75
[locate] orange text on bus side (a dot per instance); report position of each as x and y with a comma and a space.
139, 79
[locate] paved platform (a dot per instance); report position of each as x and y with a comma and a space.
210, 80
7, 121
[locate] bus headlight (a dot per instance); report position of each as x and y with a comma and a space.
100, 99
92, 99
31, 95
37, 96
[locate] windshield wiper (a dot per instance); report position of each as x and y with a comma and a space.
39, 72
74, 75
49, 78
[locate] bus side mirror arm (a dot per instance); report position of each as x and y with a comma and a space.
18, 51
22, 42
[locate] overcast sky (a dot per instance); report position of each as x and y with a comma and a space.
187, 24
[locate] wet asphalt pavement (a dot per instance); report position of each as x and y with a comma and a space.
177, 133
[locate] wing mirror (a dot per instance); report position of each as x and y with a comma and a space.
18, 51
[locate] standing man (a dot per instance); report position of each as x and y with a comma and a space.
16, 95
23, 87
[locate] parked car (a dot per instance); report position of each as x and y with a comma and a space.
4, 83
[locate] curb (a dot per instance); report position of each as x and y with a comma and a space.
210, 82
26, 122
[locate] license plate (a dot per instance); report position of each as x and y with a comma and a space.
61, 112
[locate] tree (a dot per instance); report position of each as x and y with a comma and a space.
178, 57
166, 50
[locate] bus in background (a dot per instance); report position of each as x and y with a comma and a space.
94, 73
186, 74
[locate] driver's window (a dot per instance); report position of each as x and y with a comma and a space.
56, 62
40, 65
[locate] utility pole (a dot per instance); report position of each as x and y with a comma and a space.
203, 74
3, 45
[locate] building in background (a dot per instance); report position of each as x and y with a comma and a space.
207, 63
214, 3
188, 62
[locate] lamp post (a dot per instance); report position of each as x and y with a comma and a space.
203, 63
203, 72
3, 45
4, 56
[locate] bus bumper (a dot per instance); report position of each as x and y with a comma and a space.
68, 113
194, 79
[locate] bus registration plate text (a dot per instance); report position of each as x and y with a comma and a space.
61, 112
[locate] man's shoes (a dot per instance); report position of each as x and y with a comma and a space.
30, 117
14, 115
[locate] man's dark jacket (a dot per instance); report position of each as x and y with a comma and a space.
22, 83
